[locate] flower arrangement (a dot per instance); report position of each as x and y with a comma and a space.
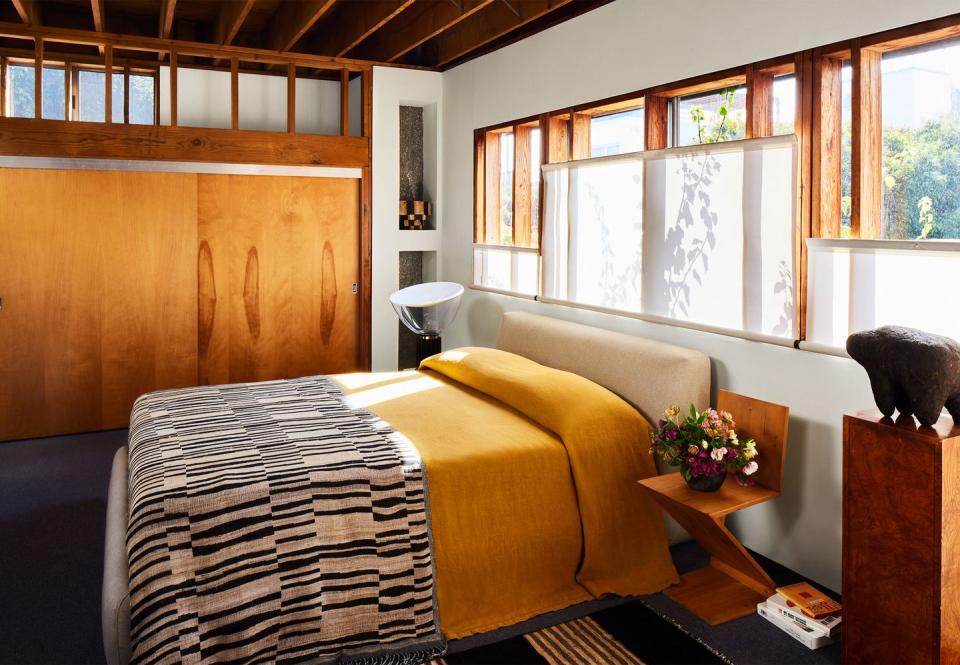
703, 445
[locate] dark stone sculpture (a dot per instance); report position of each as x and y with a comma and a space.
915, 372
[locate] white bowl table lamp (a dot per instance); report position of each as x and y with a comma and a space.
427, 309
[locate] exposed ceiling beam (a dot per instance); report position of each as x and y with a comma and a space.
292, 20
425, 20
352, 22
480, 29
28, 11
232, 15
96, 6
167, 8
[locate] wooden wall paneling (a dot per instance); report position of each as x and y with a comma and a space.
291, 98
522, 228
366, 224
655, 111
38, 79
281, 254
99, 295
479, 193
235, 93
558, 138
50, 321
148, 272
108, 84
54, 138
491, 208
364, 353
173, 88
766, 423
825, 218
867, 142
803, 68
344, 102
126, 93
580, 140
759, 103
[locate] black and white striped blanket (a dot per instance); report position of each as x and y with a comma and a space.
272, 522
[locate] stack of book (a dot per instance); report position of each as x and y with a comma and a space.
804, 613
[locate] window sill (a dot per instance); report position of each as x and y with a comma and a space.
503, 292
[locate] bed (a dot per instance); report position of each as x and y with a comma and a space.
518, 537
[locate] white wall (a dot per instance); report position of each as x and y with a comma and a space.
393, 88
203, 100
629, 45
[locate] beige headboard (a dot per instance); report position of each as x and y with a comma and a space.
649, 375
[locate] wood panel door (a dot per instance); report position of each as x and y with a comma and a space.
98, 280
278, 259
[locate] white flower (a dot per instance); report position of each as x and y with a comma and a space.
733, 437
705, 444
750, 468
718, 454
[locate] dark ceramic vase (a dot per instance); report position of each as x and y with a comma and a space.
707, 483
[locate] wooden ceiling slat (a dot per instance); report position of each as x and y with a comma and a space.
167, 8
425, 20
96, 6
488, 25
353, 22
293, 19
232, 15
28, 11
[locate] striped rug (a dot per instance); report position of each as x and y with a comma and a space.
629, 634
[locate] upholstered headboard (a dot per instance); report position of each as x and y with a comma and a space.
649, 375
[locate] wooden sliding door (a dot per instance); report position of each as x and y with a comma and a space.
98, 280
278, 260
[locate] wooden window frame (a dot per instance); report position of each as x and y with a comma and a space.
817, 127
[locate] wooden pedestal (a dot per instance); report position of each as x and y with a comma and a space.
901, 540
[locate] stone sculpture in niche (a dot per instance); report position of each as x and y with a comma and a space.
914, 372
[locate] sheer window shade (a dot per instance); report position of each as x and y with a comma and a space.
703, 235
506, 269
856, 285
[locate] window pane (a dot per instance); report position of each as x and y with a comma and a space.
141, 99
784, 104
616, 133
712, 117
921, 142
52, 101
534, 186
92, 97
21, 103
506, 188
846, 148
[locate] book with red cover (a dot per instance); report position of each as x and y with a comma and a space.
810, 601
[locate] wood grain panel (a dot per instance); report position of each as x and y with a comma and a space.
767, 424
866, 168
298, 315
825, 219
55, 138
148, 319
99, 295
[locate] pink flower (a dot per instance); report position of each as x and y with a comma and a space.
750, 468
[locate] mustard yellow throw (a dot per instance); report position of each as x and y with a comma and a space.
532, 477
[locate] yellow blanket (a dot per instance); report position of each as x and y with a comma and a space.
524, 522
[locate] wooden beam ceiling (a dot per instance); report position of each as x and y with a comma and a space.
293, 19
167, 8
28, 10
425, 20
424, 33
353, 22
231, 17
497, 20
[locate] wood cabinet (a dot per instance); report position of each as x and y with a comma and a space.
116, 283
277, 269
901, 553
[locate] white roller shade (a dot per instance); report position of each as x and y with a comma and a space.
703, 235
855, 285
507, 269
